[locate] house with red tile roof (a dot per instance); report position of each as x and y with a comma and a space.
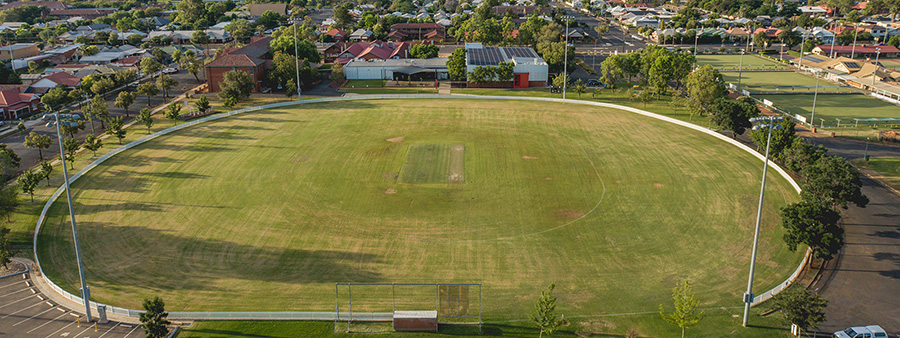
251, 59
336, 34
56, 79
15, 105
770, 32
416, 31
375, 50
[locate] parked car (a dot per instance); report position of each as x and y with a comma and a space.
169, 70
595, 83
868, 331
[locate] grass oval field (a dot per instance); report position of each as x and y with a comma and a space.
267, 210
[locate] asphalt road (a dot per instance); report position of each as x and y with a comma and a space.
863, 284
30, 157
25, 312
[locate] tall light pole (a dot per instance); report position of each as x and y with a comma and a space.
877, 67
566, 56
812, 119
85, 291
740, 71
696, 37
768, 122
802, 45
833, 37
296, 59
855, 33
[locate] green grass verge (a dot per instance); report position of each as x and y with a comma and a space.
787, 82
886, 167
364, 83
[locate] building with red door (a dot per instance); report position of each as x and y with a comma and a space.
529, 69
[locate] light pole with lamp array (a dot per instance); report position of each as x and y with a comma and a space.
812, 119
855, 33
740, 71
765, 122
85, 291
566, 56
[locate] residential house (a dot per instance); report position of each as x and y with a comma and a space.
770, 32
15, 104
375, 50
737, 33
820, 33
334, 50
336, 34
19, 51
184, 37
102, 58
417, 31
84, 13
251, 59
812, 10
56, 79
361, 35
51, 5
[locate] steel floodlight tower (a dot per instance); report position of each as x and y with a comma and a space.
566, 56
766, 122
85, 291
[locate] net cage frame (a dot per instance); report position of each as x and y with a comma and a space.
348, 316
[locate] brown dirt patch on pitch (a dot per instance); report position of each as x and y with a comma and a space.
548, 178
569, 213
395, 139
300, 159
657, 185
524, 157
390, 191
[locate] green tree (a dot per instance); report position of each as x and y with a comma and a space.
579, 87
782, 138
456, 65
9, 161
814, 224
145, 118
28, 181
70, 148
173, 111
504, 71
150, 66
9, 202
733, 115
686, 313
202, 104
149, 89
6, 251
284, 43
46, 170
337, 73
704, 87
192, 64
102, 86
113, 39
199, 37
423, 51
165, 83
239, 29
559, 80
116, 128
834, 182
269, 19
801, 307
72, 126
544, 313
93, 143
190, 12
153, 320
236, 84
38, 141
124, 100
55, 98
99, 110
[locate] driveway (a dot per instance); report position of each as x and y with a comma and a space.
862, 285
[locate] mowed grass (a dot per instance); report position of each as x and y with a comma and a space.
267, 210
886, 167
831, 107
426, 163
733, 61
781, 82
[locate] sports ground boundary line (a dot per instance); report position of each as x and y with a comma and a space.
59, 292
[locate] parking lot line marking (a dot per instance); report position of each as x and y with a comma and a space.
82, 332
132, 330
60, 329
13, 284
48, 322
15, 292
33, 305
73, 314
110, 329
61, 309
32, 317
48, 303
39, 297
8, 304
32, 291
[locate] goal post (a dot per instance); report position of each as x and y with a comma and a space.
386, 307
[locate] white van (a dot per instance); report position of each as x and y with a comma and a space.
869, 331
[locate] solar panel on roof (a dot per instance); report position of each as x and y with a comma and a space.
488, 56
521, 52
851, 64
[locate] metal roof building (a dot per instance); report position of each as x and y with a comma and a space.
529, 69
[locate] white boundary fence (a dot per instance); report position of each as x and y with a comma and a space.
331, 315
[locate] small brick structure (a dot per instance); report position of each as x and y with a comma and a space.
416, 321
